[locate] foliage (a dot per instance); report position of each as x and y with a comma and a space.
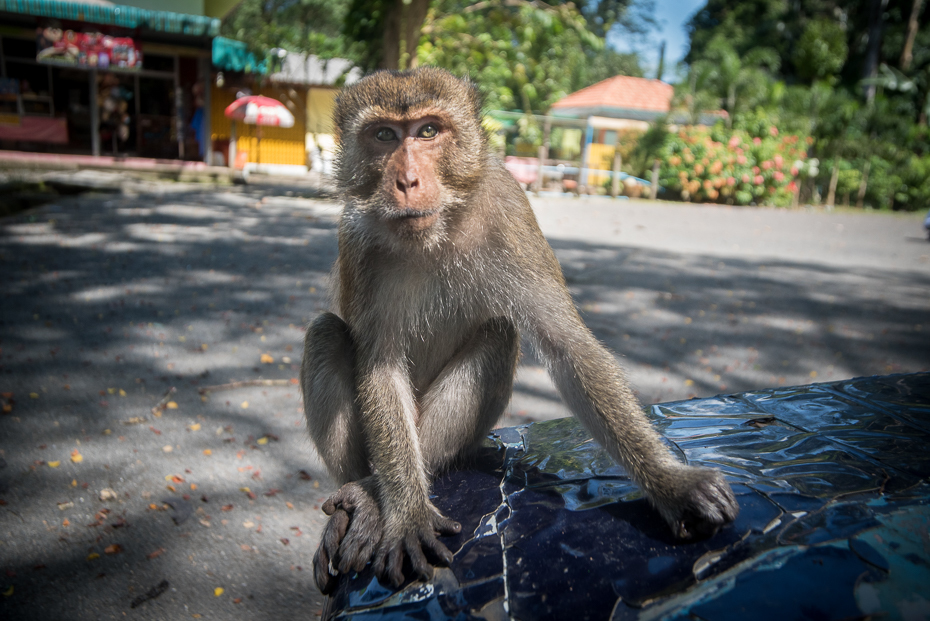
733, 167
311, 26
524, 56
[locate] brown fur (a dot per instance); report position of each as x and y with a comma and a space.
441, 262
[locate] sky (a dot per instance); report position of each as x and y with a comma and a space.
671, 16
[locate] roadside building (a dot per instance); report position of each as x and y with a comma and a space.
304, 83
97, 78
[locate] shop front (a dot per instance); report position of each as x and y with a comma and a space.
104, 79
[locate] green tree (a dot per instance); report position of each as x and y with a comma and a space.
523, 55
311, 26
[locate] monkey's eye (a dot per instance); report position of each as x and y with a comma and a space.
385, 134
428, 131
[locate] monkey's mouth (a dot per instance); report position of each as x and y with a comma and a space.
411, 214
412, 221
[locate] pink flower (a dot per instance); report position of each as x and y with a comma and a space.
734, 142
755, 170
757, 141
792, 186
773, 130
758, 180
779, 176
779, 161
731, 181
745, 178
794, 171
766, 165
741, 159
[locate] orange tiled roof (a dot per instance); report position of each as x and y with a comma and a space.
622, 92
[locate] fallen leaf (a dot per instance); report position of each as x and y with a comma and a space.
107, 494
245, 547
155, 431
263, 440
76, 457
172, 405
245, 405
156, 553
66, 522
248, 524
285, 540
207, 452
92, 556
167, 448
218, 591
135, 420
33, 395
193, 486
113, 549
226, 508
266, 359
237, 600
289, 505
195, 427
54, 464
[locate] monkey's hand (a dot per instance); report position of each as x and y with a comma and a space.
413, 539
695, 502
351, 535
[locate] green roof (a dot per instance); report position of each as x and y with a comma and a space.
116, 15
232, 55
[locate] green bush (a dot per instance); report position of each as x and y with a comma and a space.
718, 165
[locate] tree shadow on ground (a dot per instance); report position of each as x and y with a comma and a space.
108, 302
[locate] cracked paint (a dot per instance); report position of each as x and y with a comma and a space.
833, 482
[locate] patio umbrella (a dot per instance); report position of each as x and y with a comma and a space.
258, 110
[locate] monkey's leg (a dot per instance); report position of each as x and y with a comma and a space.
327, 380
694, 501
456, 413
469, 396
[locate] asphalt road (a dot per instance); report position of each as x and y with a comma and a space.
110, 301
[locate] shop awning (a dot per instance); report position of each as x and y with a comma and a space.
232, 55
116, 15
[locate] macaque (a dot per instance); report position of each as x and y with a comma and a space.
441, 267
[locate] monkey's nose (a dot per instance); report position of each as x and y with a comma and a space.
406, 185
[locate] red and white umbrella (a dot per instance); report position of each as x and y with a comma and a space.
259, 110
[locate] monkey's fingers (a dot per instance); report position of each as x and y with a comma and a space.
334, 533
325, 580
446, 527
389, 564
414, 549
437, 550
360, 541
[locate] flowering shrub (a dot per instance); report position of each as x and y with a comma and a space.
705, 164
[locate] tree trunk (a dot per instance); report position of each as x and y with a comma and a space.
618, 162
863, 185
654, 190
540, 184
414, 16
393, 23
834, 177
907, 55
876, 24
731, 103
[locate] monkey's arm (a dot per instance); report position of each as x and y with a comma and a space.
694, 501
410, 521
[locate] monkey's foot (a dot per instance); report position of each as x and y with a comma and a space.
697, 504
414, 541
351, 535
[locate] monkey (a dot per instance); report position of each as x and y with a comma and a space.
441, 267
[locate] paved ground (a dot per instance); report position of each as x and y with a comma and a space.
109, 301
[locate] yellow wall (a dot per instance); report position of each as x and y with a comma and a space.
600, 157
278, 145
320, 104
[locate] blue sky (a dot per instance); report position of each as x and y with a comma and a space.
671, 15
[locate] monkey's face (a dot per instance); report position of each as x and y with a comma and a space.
411, 148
